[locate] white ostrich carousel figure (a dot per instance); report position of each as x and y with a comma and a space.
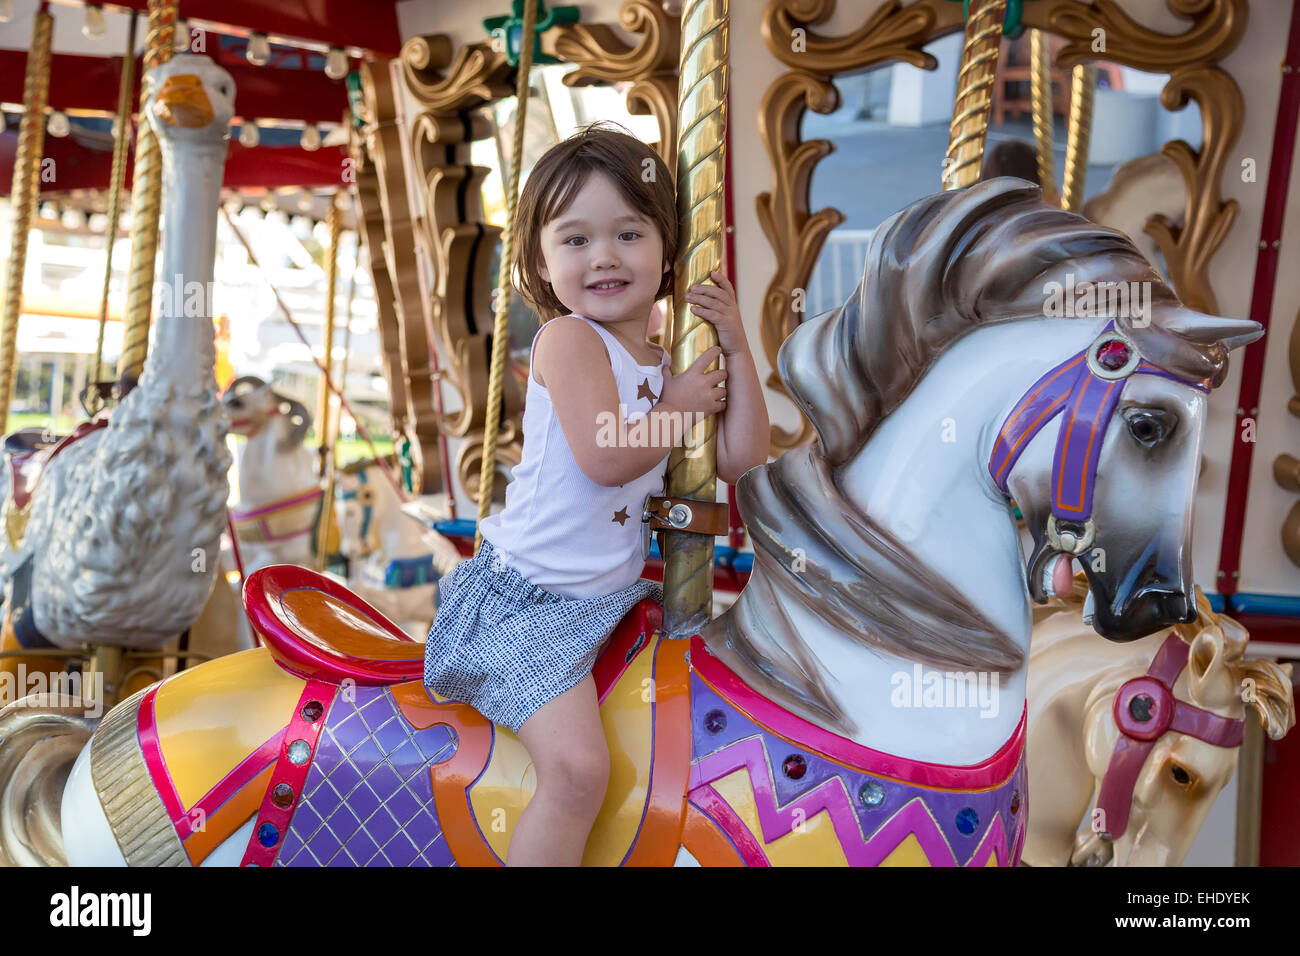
123, 535
279, 491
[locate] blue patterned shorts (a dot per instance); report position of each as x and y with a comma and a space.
506, 646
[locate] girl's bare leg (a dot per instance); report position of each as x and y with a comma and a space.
567, 745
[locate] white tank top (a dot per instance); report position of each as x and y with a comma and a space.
559, 529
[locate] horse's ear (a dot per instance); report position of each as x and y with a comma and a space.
1209, 678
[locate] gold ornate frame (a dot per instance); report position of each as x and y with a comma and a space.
898, 31
450, 89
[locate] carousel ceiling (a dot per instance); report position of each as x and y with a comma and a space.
288, 59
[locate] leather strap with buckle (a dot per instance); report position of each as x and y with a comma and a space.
662, 513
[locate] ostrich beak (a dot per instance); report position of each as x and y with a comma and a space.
182, 101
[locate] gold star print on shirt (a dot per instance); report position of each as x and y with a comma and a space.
644, 391
621, 515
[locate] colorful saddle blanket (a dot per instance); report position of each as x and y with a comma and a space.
343, 764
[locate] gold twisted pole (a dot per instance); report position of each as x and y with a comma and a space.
122, 131
1083, 80
26, 186
701, 139
970, 111
1040, 92
488, 470
325, 445
146, 204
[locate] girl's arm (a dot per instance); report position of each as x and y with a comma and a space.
743, 427
571, 362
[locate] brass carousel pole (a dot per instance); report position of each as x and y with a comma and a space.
1040, 92
325, 446
500, 332
692, 467
1084, 79
146, 198
970, 111
122, 131
26, 186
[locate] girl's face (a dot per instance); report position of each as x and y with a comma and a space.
604, 259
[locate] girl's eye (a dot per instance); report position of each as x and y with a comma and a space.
572, 239
634, 235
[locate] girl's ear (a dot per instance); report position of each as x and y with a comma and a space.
542, 271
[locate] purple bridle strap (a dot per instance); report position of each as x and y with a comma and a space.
1086, 402
1145, 709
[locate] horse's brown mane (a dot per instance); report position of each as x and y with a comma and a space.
952, 263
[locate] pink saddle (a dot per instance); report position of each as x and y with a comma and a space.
318, 629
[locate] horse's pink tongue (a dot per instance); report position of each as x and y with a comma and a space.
1062, 577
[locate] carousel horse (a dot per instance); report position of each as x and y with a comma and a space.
1135, 741
279, 492
118, 542
394, 562
862, 702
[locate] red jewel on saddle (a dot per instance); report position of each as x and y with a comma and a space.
1113, 355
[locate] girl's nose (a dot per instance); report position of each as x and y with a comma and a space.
603, 257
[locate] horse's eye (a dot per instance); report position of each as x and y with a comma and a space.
1180, 775
1149, 426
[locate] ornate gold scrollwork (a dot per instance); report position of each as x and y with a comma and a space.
651, 65
1189, 58
898, 32
454, 234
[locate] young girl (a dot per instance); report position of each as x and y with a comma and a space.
520, 625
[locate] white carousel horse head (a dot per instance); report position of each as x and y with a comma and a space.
252, 404
936, 392
1135, 742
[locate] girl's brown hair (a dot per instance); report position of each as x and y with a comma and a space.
636, 170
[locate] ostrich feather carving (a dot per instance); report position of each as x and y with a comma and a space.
124, 530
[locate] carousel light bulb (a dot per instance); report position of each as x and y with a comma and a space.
305, 202
181, 36
58, 124
6, 10
336, 64
93, 26
259, 50
248, 134
310, 138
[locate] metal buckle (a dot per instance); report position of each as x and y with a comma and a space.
1124, 371
1067, 542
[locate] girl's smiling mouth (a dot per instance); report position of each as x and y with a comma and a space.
608, 286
